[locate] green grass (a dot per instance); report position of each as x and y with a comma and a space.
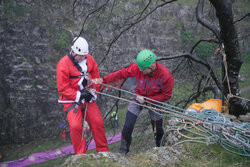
212, 155
184, 90
209, 155
54, 162
15, 151
198, 154
122, 115
144, 160
122, 111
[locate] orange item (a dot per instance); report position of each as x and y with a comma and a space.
216, 104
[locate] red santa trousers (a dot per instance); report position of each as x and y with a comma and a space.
96, 124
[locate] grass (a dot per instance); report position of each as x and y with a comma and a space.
15, 151
212, 155
121, 113
144, 160
198, 154
54, 162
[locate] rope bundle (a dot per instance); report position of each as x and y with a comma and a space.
211, 126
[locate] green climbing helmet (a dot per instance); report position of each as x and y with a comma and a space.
145, 58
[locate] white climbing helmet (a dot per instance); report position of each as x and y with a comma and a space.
80, 46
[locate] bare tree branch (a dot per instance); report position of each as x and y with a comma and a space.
201, 19
94, 11
197, 94
116, 104
73, 7
248, 14
193, 58
132, 24
202, 40
177, 67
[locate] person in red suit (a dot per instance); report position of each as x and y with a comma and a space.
78, 97
154, 81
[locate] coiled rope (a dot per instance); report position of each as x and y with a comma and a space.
212, 126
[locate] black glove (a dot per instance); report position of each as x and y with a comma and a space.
85, 94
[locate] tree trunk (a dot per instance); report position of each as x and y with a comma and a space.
229, 37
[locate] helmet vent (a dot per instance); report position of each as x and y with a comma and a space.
148, 58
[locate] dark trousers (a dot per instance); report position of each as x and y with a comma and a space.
157, 125
128, 130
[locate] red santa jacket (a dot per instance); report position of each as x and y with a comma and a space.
157, 86
70, 79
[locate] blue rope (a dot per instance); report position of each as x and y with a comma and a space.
206, 116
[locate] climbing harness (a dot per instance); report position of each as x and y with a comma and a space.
75, 106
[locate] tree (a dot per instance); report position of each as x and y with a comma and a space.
227, 36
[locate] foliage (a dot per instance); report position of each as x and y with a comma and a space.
182, 91
187, 36
63, 41
91, 29
15, 11
51, 30
205, 49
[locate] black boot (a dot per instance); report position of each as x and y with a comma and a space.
127, 132
159, 134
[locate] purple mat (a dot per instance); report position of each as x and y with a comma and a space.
52, 154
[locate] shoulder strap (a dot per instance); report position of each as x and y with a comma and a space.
75, 62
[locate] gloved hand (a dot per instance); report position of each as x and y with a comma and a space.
140, 99
97, 80
85, 94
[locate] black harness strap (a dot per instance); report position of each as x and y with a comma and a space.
77, 66
75, 105
75, 62
73, 77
